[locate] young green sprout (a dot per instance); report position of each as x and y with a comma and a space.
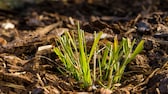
73, 53
114, 58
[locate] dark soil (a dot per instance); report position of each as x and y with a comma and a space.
26, 68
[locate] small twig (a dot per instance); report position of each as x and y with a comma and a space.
158, 91
40, 80
147, 79
44, 57
7, 84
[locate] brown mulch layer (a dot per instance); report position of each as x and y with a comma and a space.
25, 67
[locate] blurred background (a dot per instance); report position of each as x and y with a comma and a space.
11, 4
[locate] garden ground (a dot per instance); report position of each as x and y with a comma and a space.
27, 35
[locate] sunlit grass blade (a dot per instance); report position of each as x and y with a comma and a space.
105, 55
72, 41
60, 54
83, 58
96, 40
115, 44
108, 64
138, 49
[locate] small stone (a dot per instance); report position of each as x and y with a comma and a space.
8, 25
143, 27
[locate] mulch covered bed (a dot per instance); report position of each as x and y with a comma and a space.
25, 67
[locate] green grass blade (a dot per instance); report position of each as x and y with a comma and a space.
83, 58
105, 55
72, 41
138, 49
58, 52
96, 40
115, 44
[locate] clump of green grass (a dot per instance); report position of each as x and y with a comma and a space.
73, 53
114, 57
